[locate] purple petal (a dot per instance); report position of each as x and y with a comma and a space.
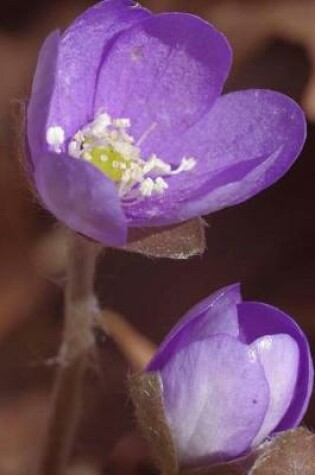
79, 195
81, 51
257, 320
215, 397
163, 74
279, 356
248, 141
217, 314
42, 89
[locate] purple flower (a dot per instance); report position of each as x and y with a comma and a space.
231, 374
126, 126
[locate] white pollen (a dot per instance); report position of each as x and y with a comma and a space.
186, 165
122, 123
124, 148
160, 185
126, 177
146, 187
114, 135
74, 150
105, 119
99, 126
87, 156
79, 137
55, 137
103, 158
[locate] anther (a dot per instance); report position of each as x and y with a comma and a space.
55, 137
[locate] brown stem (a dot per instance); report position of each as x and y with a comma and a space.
137, 349
80, 309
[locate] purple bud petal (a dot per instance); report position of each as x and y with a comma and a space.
279, 356
216, 397
232, 374
214, 315
257, 320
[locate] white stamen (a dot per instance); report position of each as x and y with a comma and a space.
146, 187
185, 165
126, 150
157, 165
146, 133
55, 137
99, 126
126, 177
122, 123
74, 149
79, 137
160, 185
113, 144
188, 163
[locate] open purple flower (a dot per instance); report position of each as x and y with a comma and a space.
126, 126
231, 374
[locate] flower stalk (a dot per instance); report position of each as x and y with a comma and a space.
78, 340
137, 349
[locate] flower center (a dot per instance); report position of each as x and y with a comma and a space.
109, 161
107, 145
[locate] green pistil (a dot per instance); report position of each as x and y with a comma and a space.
109, 162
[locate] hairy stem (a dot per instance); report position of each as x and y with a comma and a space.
78, 339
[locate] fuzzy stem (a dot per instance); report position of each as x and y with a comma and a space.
78, 339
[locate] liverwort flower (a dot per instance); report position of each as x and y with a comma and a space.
126, 127
231, 373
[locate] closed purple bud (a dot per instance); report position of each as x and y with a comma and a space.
232, 373
126, 127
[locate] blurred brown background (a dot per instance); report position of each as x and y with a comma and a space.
266, 243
